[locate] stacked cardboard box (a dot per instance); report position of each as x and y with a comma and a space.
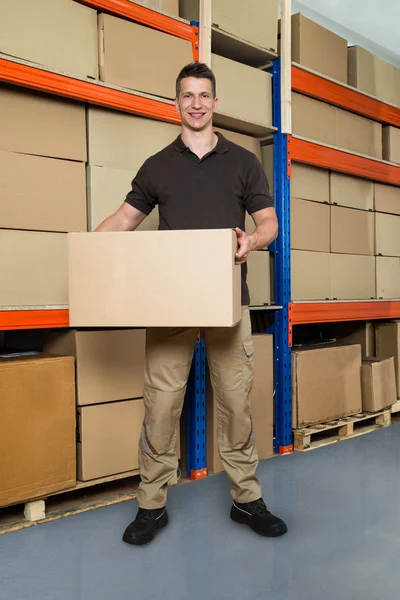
168, 6
261, 405
42, 178
388, 345
109, 391
373, 75
37, 427
57, 34
387, 207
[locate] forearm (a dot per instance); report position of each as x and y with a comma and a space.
126, 218
265, 233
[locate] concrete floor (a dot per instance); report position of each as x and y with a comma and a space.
341, 503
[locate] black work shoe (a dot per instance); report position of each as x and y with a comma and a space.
144, 528
259, 518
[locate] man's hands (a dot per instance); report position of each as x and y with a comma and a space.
244, 246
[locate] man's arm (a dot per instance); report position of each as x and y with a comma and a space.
126, 218
266, 232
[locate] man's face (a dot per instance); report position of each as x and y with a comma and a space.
196, 103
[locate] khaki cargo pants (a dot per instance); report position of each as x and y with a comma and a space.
169, 355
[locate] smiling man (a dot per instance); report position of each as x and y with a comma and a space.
200, 181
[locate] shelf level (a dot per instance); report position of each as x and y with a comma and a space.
22, 74
326, 157
230, 46
327, 90
329, 312
34, 319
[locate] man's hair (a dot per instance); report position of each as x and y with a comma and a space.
198, 70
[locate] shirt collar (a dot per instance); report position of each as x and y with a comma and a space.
221, 147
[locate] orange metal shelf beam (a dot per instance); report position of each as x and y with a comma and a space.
33, 319
323, 89
329, 312
62, 85
340, 160
146, 16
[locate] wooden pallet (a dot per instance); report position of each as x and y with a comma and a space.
346, 428
395, 408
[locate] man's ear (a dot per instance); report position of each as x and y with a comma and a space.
215, 104
177, 105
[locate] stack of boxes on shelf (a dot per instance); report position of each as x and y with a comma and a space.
344, 229
64, 168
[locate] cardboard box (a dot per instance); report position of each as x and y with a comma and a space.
107, 190
354, 332
255, 22
37, 427
388, 344
352, 231
33, 268
44, 194
333, 126
352, 277
260, 277
326, 384
35, 123
372, 74
386, 198
352, 192
387, 234
387, 277
391, 144
358, 134
253, 102
310, 275
107, 288
267, 160
309, 183
262, 406
378, 384
319, 49
58, 34
310, 225
109, 438
109, 363
314, 120
144, 71
170, 7
123, 141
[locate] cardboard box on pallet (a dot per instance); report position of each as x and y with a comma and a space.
58, 34
252, 102
378, 384
372, 74
309, 183
352, 192
33, 268
42, 194
387, 234
387, 277
37, 447
255, 22
333, 126
310, 225
157, 290
387, 198
319, 49
143, 71
352, 277
310, 273
40, 124
391, 144
326, 384
388, 344
352, 231
260, 277
354, 332
261, 405
109, 363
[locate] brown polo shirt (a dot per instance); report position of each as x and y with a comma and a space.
209, 193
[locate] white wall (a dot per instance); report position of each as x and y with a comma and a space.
373, 24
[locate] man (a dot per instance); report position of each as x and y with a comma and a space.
200, 181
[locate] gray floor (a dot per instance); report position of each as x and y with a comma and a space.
342, 505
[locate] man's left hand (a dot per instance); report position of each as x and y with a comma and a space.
244, 246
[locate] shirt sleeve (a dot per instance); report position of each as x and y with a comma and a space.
257, 194
141, 195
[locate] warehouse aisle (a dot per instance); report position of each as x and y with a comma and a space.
342, 505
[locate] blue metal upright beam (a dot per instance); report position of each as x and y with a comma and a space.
281, 249
196, 414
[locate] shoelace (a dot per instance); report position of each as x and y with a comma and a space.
260, 508
143, 515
